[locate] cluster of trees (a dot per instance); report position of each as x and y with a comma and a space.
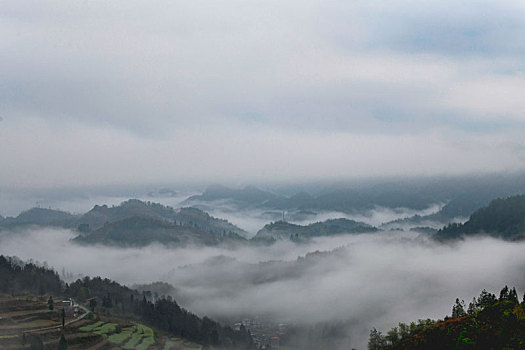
111, 298
17, 277
489, 322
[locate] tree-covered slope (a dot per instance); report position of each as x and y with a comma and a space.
100, 215
284, 230
111, 298
504, 218
200, 219
488, 323
139, 231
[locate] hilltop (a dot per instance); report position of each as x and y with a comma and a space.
100, 215
39, 217
139, 231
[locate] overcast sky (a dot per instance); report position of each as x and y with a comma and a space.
127, 92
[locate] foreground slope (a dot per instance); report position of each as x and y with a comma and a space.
119, 308
488, 323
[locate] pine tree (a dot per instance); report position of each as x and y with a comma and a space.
486, 299
504, 294
458, 310
376, 340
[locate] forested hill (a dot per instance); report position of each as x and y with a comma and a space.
502, 218
488, 323
283, 230
140, 231
101, 215
114, 299
40, 217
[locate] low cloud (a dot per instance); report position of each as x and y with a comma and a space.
372, 280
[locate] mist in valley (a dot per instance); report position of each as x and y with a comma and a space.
252, 220
366, 280
405, 116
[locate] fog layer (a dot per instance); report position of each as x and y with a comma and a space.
375, 279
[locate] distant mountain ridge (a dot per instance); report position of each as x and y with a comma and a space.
502, 218
136, 223
249, 195
461, 196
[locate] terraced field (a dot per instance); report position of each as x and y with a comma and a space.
180, 344
25, 320
134, 337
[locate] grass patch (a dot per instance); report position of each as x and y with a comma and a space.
132, 343
106, 329
146, 343
141, 338
118, 338
91, 327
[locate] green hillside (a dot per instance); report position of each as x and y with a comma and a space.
282, 230
487, 323
139, 231
110, 315
502, 218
